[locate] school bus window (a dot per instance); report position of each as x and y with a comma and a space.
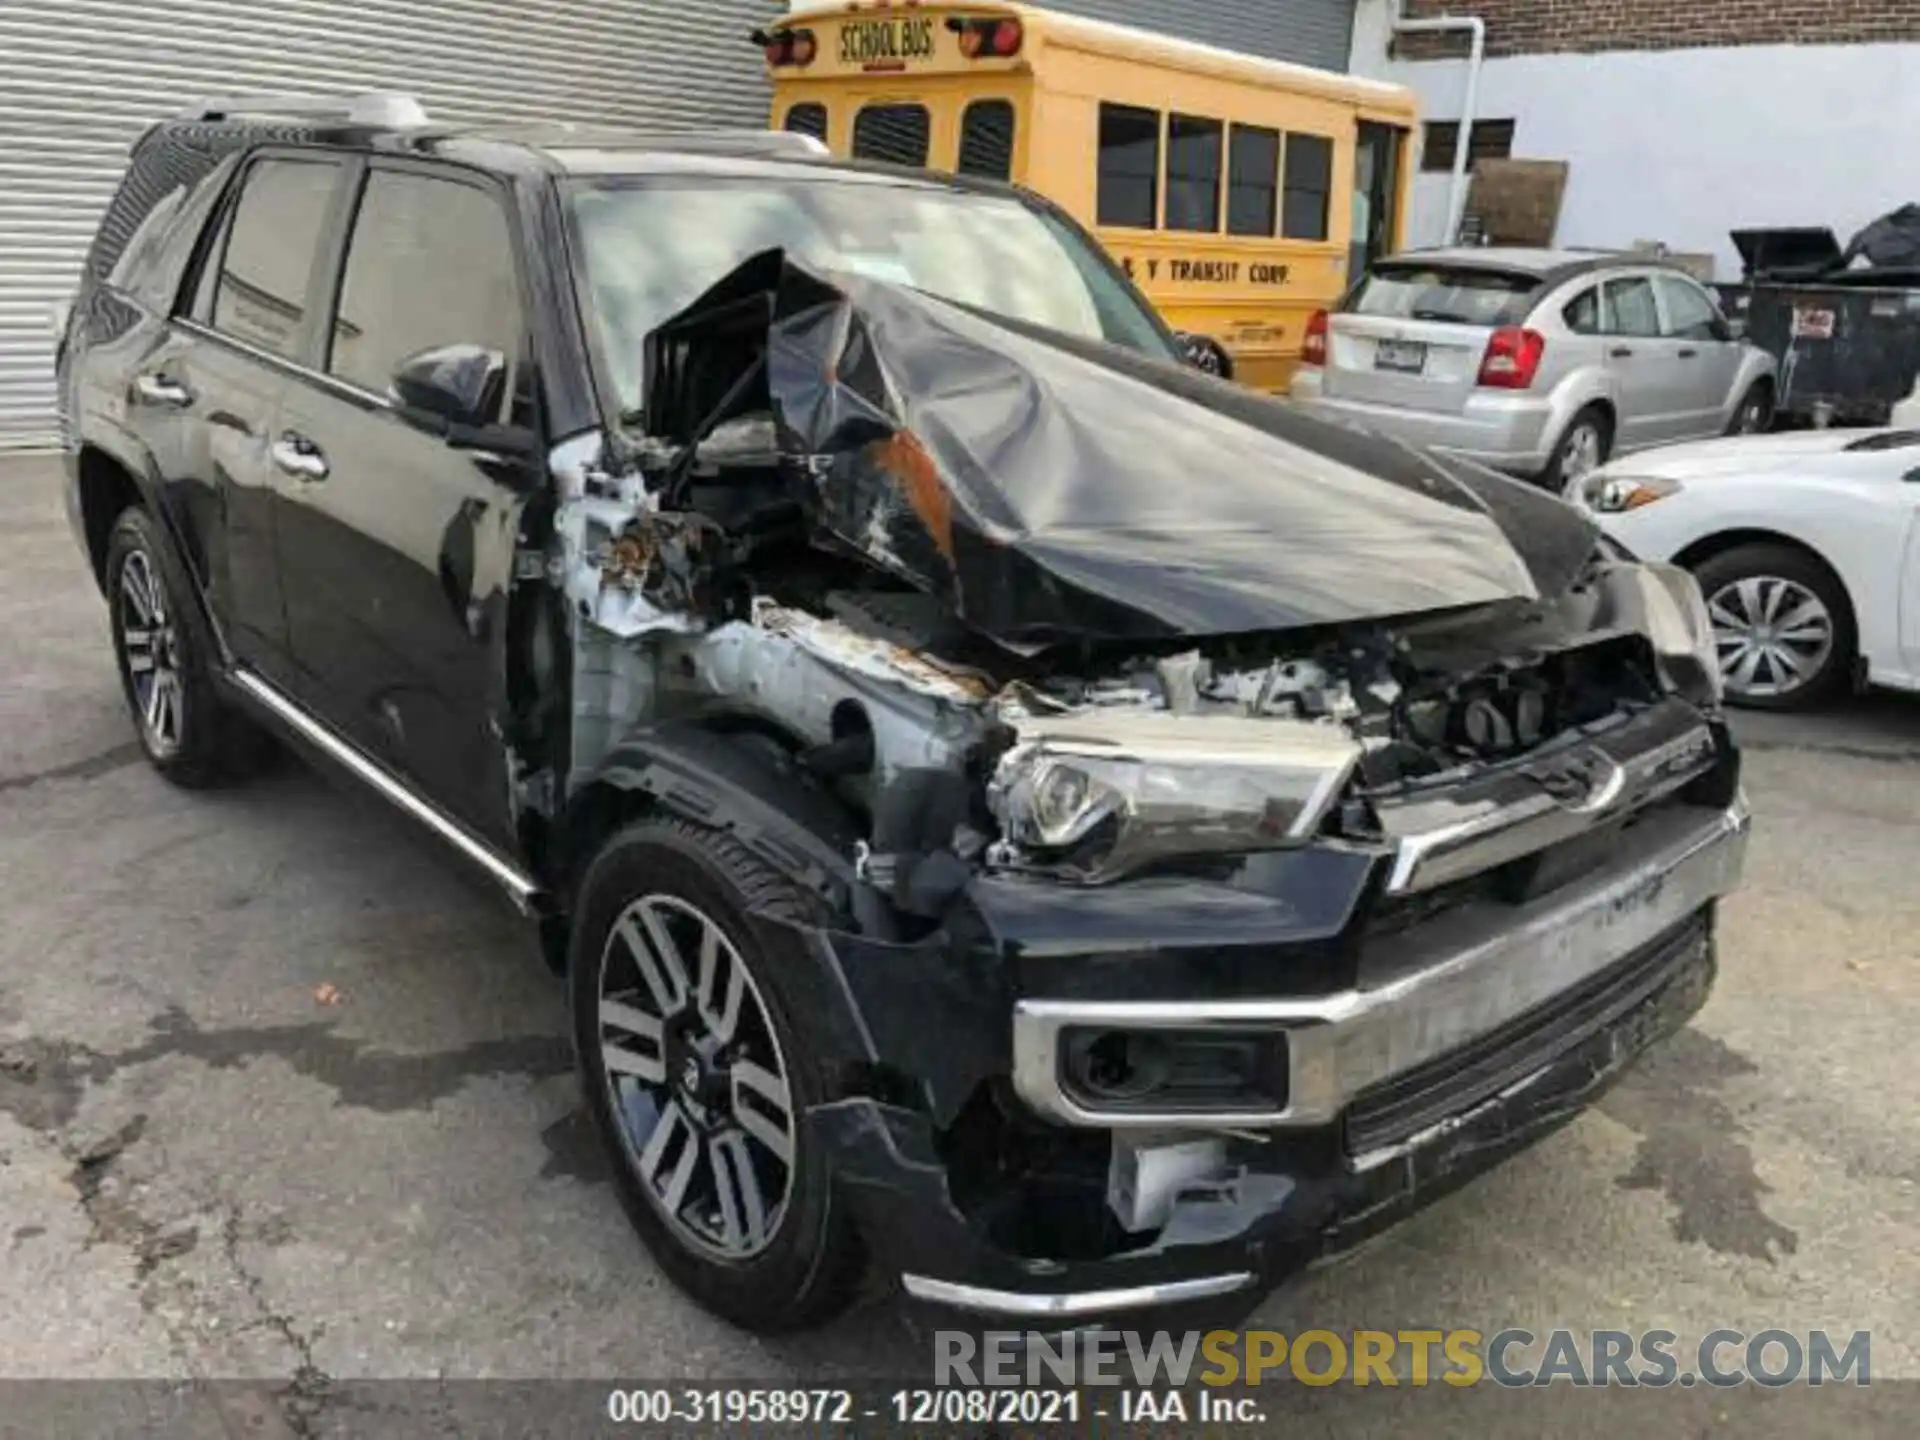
1253, 179
896, 134
1129, 174
1193, 173
1303, 213
808, 119
986, 140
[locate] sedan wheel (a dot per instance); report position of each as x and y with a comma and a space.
695, 1077
1582, 453
1774, 635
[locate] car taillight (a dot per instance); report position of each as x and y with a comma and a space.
1313, 347
1512, 358
988, 39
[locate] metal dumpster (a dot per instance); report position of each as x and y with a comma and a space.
1847, 339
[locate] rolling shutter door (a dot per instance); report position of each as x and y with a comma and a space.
1307, 32
80, 79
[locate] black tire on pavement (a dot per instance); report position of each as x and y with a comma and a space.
1782, 579
634, 1045
190, 733
1589, 422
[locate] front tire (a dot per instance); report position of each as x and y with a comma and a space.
1584, 447
189, 733
695, 1047
1782, 625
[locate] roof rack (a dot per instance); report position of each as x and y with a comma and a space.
380, 109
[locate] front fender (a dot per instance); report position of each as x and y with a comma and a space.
730, 784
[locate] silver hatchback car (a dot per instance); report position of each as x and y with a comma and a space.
1539, 362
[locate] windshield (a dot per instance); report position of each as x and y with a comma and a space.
651, 247
1465, 295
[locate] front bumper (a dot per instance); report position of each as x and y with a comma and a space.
1464, 975
1467, 1038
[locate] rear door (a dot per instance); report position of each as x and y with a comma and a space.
397, 547
248, 325
1640, 361
1706, 358
1413, 335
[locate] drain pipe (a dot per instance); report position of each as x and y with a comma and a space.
1476, 31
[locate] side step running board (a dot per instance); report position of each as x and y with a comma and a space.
525, 890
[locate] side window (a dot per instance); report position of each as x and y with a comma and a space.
808, 118
1690, 314
430, 264
1582, 313
1193, 173
986, 140
896, 134
1253, 180
1129, 175
1303, 213
260, 292
1631, 307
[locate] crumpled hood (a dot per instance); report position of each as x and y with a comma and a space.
1048, 488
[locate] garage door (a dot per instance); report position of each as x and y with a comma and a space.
1309, 32
79, 79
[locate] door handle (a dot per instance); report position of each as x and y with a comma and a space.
156, 389
1687, 352
299, 457
1620, 352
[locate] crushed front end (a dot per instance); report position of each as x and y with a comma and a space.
1205, 901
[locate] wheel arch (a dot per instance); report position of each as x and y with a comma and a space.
730, 778
108, 488
1698, 552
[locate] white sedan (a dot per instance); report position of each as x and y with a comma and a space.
1806, 547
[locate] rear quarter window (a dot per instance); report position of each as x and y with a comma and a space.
1457, 295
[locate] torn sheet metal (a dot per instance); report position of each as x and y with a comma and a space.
1049, 489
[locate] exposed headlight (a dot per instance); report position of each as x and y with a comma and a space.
1682, 631
1092, 796
1606, 494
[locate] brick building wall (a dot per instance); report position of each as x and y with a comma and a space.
1537, 27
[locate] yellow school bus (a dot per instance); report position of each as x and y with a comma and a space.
1241, 194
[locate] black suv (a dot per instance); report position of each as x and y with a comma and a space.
1005, 803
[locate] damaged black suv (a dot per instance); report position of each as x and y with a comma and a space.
1011, 807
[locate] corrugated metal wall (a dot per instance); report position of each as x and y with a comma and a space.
1309, 32
79, 79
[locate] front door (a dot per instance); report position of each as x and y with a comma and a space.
1376, 196
1705, 357
397, 547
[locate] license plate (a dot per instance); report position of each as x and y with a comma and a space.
1811, 323
1407, 356
886, 44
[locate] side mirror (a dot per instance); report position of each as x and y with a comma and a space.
452, 385
1203, 352
1733, 328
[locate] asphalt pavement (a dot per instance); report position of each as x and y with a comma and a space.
284, 1094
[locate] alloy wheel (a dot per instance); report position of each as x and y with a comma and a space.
1753, 415
1582, 452
151, 647
1773, 635
695, 1077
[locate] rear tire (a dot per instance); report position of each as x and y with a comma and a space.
1583, 448
1782, 623
188, 731
685, 1075
1754, 414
